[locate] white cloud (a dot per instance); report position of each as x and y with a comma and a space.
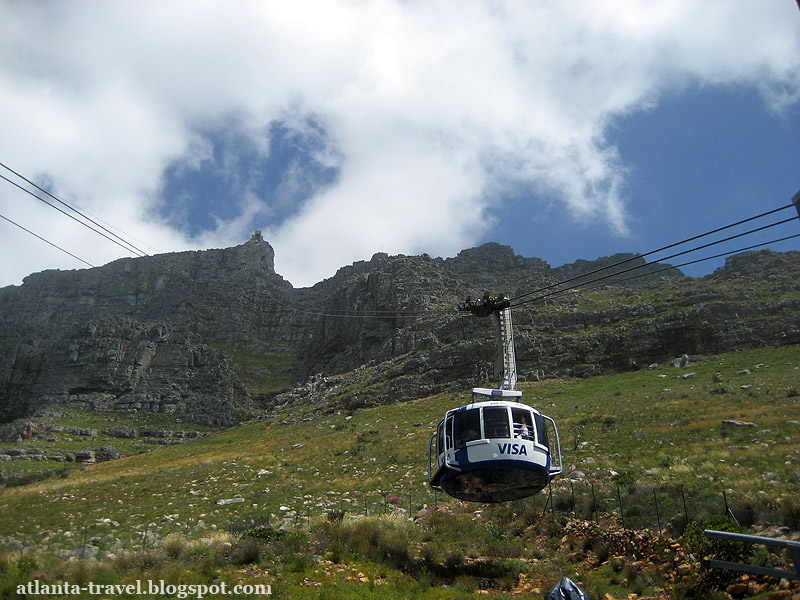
430, 110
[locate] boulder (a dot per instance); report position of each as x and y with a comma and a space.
732, 424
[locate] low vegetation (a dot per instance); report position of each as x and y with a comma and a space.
337, 505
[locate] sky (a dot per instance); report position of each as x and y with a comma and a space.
566, 130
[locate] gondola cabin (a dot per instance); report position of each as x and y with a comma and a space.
493, 450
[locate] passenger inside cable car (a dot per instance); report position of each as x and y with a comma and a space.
521, 424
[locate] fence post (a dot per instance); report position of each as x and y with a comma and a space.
552, 505
685, 510
728, 511
574, 508
544, 509
144, 537
621, 508
658, 514
594, 505
85, 539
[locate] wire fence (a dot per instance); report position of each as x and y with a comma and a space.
667, 509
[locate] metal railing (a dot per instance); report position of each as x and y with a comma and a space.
792, 547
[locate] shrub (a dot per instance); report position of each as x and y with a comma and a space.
336, 515
15, 569
199, 551
703, 546
597, 545
395, 551
466, 584
381, 541
430, 555
262, 534
625, 477
247, 551
174, 545
454, 560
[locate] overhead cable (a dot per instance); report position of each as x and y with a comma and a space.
119, 241
76, 210
74, 218
661, 270
663, 248
46, 241
636, 267
57, 247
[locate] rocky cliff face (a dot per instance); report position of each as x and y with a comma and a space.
375, 315
141, 334
212, 336
752, 301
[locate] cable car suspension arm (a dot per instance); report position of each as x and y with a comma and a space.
500, 308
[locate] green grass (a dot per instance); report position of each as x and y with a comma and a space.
654, 426
263, 373
646, 430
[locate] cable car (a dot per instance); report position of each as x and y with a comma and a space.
496, 448
493, 450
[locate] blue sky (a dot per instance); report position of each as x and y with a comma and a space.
698, 161
565, 130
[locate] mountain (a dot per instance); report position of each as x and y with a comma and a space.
214, 336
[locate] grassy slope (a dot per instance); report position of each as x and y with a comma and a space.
651, 424
654, 427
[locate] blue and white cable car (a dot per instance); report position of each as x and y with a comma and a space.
495, 449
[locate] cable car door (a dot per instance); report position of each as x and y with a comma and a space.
555, 448
449, 441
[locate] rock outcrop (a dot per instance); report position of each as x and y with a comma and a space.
141, 334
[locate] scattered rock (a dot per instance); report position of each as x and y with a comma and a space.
85, 457
122, 432
226, 501
86, 551
106, 453
731, 425
681, 361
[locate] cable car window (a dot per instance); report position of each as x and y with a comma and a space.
449, 429
469, 426
541, 432
440, 439
523, 423
495, 422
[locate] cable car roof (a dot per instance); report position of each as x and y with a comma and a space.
497, 394
509, 403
